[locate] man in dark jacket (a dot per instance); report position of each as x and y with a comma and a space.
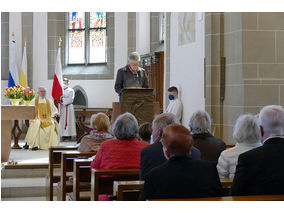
181, 176
153, 156
131, 75
209, 146
260, 171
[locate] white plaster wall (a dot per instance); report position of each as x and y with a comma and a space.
187, 69
100, 92
143, 32
40, 50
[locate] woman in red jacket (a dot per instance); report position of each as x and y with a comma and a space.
124, 151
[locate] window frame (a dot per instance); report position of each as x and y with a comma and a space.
87, 41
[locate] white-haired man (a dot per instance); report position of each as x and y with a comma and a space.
209, 146
153, 155
43, 130
131, 75
261, 170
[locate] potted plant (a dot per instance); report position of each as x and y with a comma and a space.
14, 94
28, 96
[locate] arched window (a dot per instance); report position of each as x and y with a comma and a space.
86, 38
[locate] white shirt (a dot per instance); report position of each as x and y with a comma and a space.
228, 159
175, 107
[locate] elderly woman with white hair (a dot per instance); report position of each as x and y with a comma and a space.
124, 151
247, 137
131, 75
209, 146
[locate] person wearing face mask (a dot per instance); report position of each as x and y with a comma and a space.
67, 116
131, 75
175, 105
43, 131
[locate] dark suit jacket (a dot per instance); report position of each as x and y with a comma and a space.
209, 146
182, 177
261, 170
125, 78
153, 156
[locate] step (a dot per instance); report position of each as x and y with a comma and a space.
23, 173
26, 198
26, 173
24, 187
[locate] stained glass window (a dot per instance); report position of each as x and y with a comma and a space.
86, 38
97, 46
76, 20
76, 47
97, 19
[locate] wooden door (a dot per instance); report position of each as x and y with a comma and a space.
153, 63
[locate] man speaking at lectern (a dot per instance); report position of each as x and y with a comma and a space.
131, 75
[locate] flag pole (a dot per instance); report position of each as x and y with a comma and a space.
59, 41
59, 46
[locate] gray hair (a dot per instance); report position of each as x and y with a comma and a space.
125, 126
200, 122
165, 119
134, 56
41, 87
246, 129
271, 118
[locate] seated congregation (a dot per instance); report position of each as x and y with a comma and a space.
165, 160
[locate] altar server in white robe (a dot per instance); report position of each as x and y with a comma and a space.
67, 121
43, 131
175, 106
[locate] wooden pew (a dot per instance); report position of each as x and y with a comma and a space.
67, 159
226, 182
127, 190
130, 190
81, 178
232, 198
54, 162
102, 180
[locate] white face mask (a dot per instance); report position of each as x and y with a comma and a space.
64, 86
151, 140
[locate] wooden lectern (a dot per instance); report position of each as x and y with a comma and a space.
139, 102
9, 113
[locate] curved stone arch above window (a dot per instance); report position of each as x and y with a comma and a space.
81, 97
56, 28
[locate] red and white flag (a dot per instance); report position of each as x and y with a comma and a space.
57, 87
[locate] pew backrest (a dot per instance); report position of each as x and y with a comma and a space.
67, 159
81, 173
121, 188
54, 162
102, 180
232, 198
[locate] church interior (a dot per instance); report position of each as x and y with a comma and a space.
203, 83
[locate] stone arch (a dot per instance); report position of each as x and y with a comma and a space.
81, 98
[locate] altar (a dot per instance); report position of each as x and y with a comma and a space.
9, 113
